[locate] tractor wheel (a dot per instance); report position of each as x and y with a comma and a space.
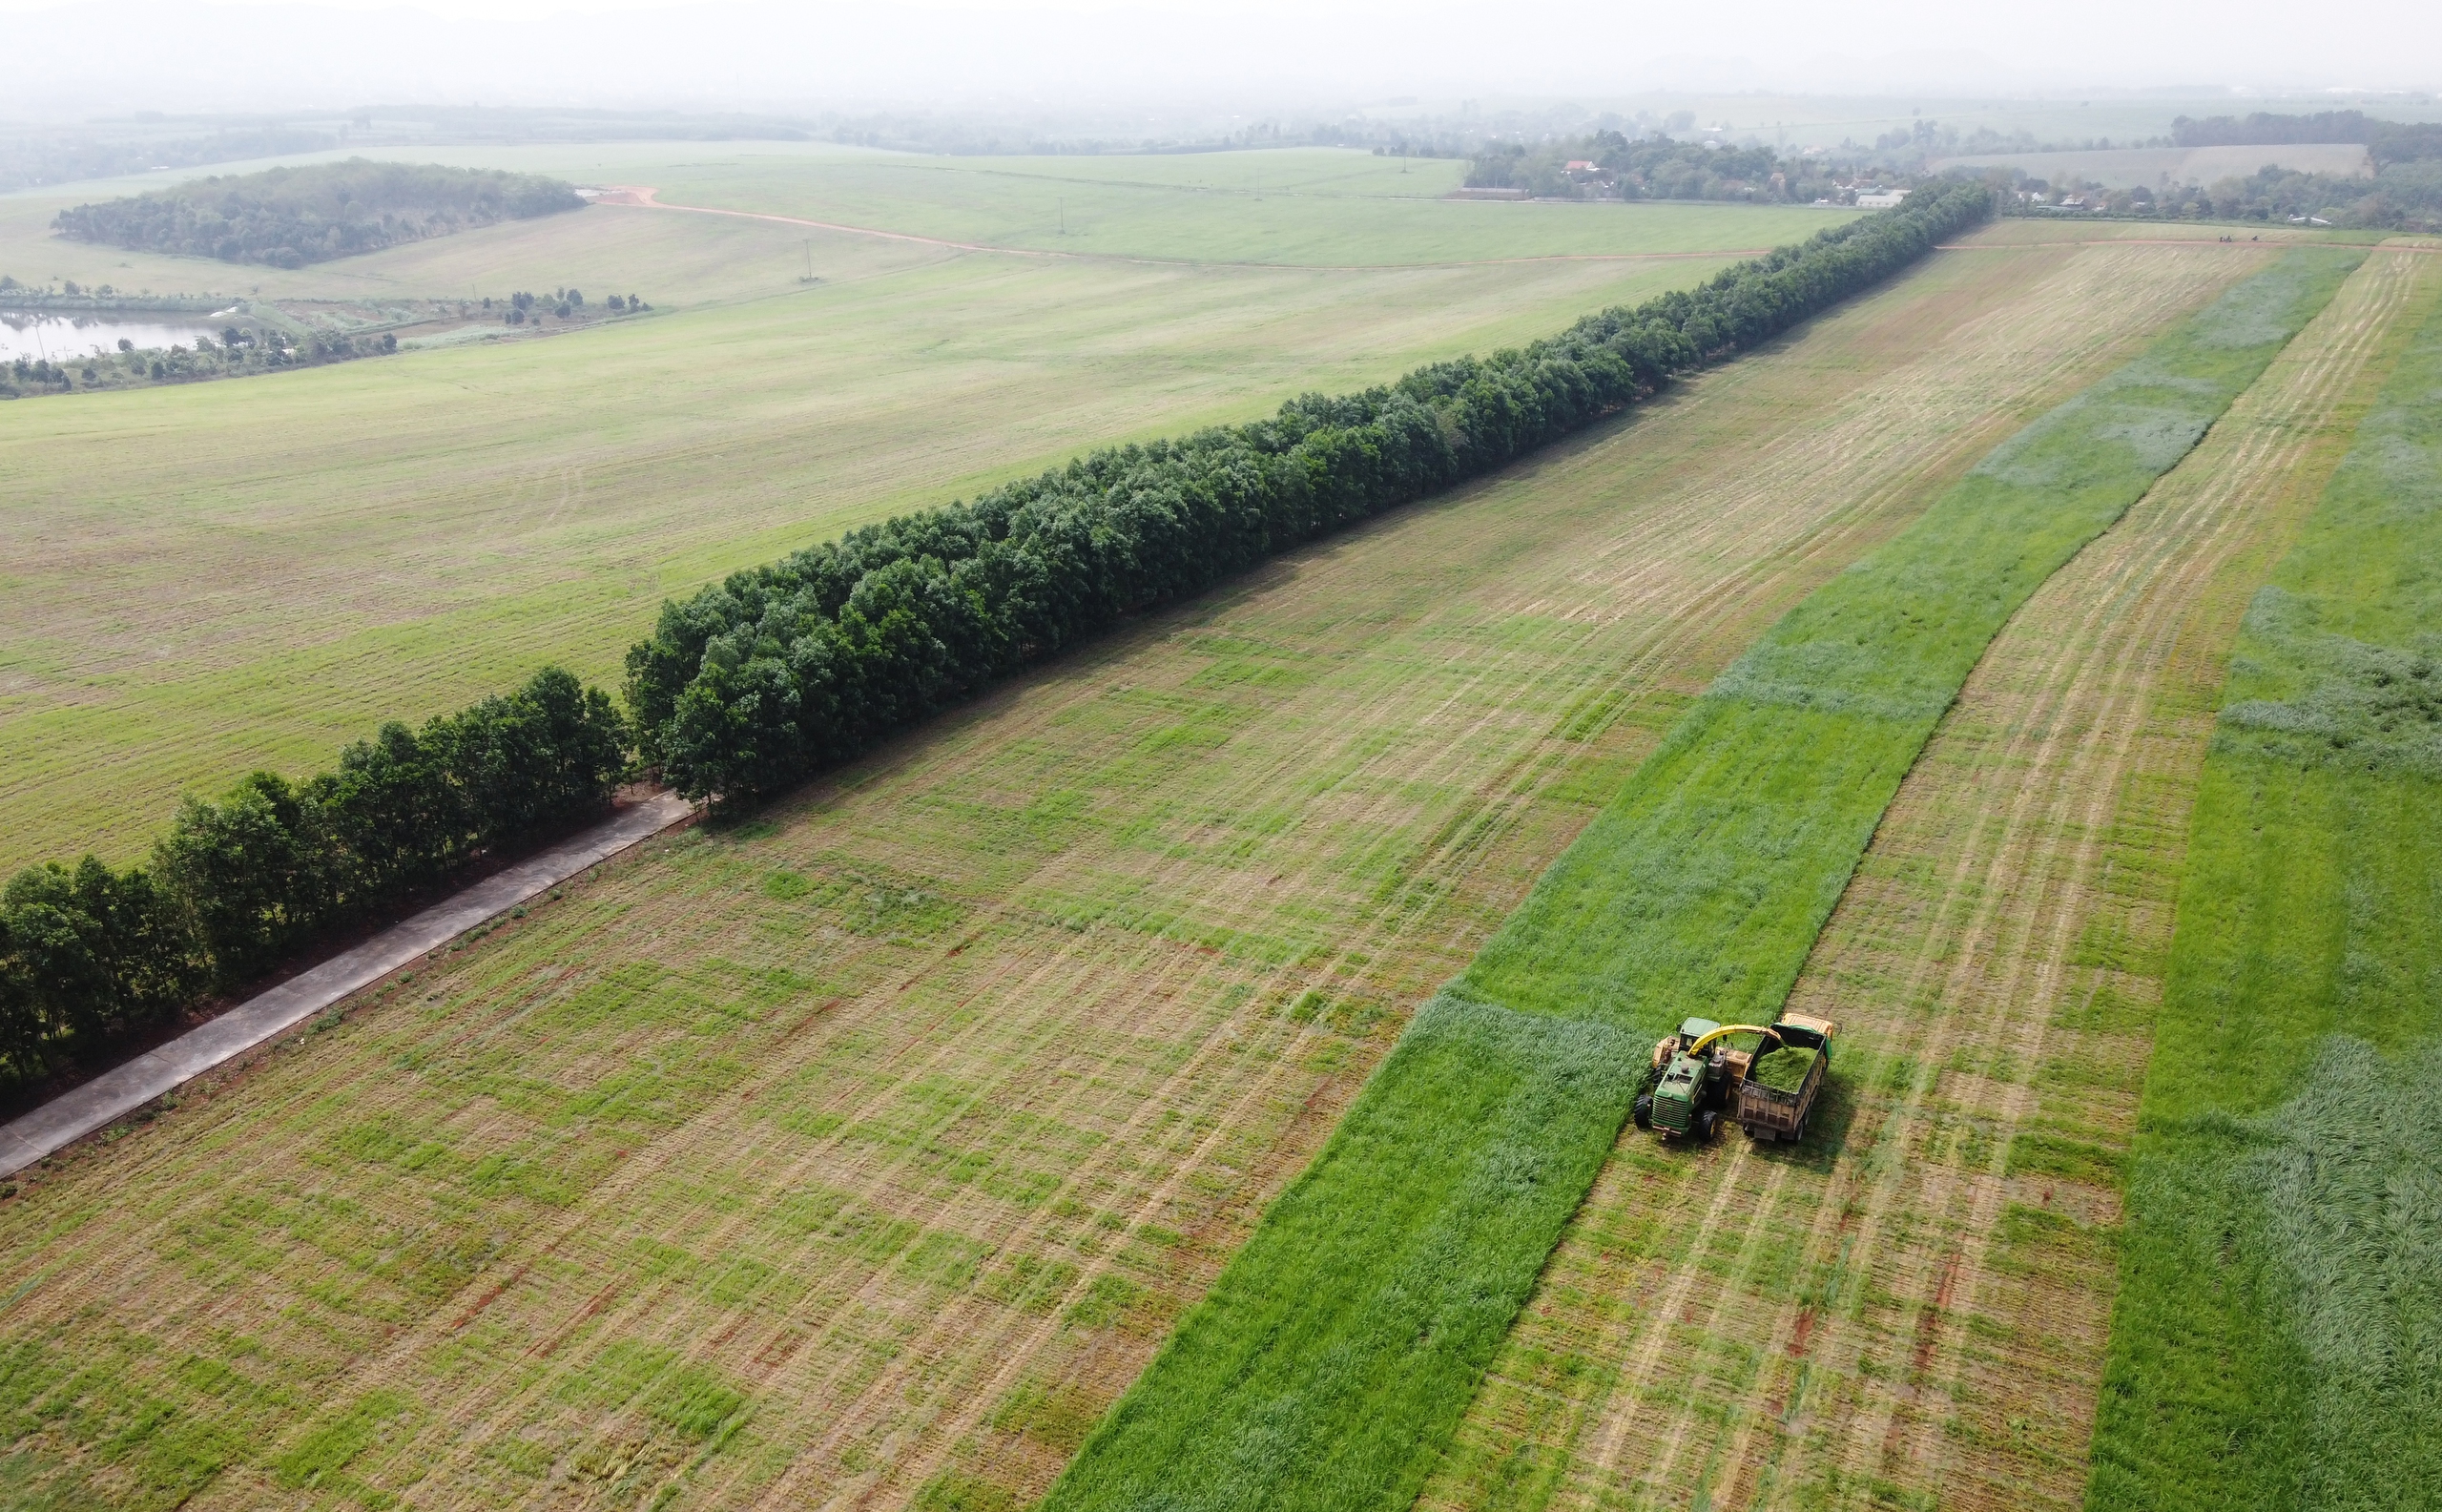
1644, 1112
1707, 1125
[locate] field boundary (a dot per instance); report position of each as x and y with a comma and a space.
77, 1113
641, 197
1331, 1361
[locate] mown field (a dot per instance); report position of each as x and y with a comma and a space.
866, 1153
1301, 206
2272, 1341
203, 580
1912, 1310
1334, 1358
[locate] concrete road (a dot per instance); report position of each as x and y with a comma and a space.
116, 1093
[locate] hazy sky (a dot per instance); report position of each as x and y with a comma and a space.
186, 55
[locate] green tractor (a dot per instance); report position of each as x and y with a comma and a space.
1685, 1091
1696, 1080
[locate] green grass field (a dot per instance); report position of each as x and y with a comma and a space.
947, 1121
203, 580
2273, 1341
1331, 1362
871, 1149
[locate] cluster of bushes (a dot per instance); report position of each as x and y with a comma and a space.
749, 685
2402, 197
2404, 193
2389, 141
236, 353
290, 216
90, 954
1649, 168
569, 304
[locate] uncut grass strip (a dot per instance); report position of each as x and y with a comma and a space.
666, 917
2271, 1340
2084, 694
1330, 1362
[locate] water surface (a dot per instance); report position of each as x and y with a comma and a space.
76, 333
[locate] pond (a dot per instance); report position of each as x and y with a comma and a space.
72, 334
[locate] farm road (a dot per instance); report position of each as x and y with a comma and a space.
641, 197
116, 1093
1924, 1306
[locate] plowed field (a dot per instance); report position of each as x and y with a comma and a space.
1909, 1311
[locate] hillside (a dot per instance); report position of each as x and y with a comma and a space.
289, 217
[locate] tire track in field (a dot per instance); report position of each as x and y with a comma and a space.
1190, 1095
1849, 1375
2105, 692
1768, 486
1782, 474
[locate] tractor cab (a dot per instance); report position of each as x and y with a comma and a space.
1691, 1030
1677, 1101
1694, 1077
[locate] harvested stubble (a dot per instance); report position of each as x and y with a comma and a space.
202, 581
2274, 1341
1912, 1310
896, 1127
1333, 1357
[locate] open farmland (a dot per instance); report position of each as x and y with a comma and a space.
868, 1152
1335, 1354
2273, 1339
207, 579
1913, 1311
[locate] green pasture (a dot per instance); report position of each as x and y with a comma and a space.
1334, 1355
1327, 207
199, 581
1302, 206
2275, 1340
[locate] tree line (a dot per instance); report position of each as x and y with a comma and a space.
92, 954
1615, 165
289, 217
2387, 141
753, 683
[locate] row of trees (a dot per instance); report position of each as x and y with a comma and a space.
90, 954
2387, 141
1646, 168
752, 684
290, 216
237, 353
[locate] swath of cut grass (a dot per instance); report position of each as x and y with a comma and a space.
926, 1180
1783, 1069
1911, 1308
2274, 1340
1360, 1326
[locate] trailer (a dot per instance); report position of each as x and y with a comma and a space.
1770, 1114
1695, 1081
